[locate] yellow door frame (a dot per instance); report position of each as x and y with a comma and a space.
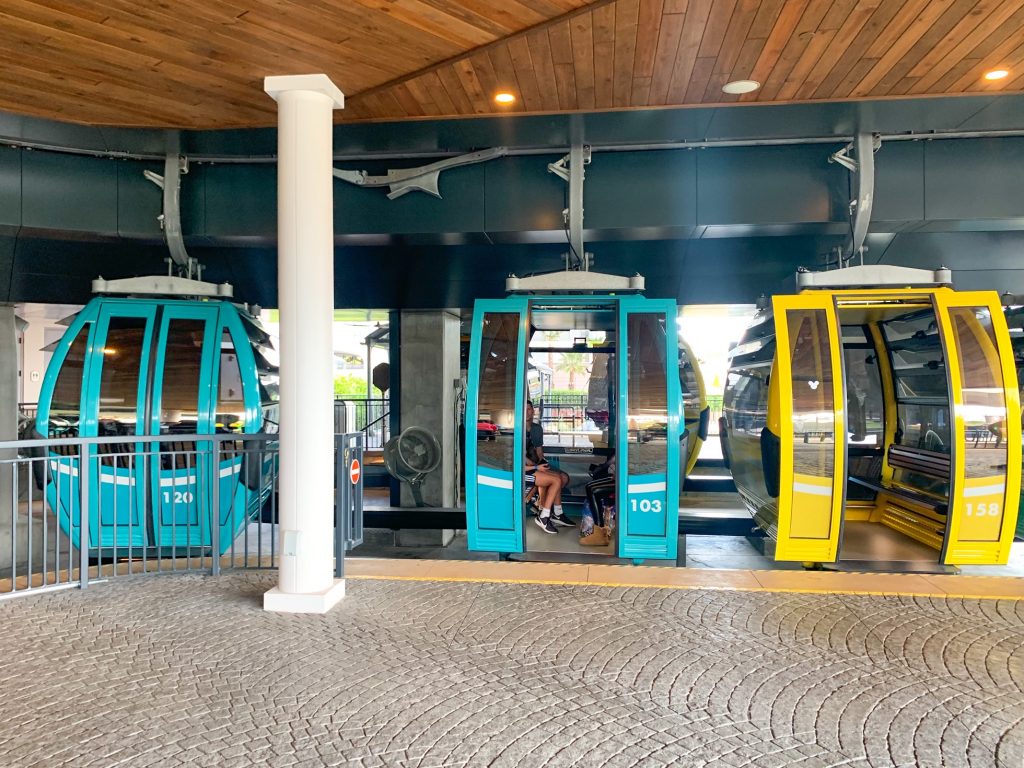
799, 489
968, 495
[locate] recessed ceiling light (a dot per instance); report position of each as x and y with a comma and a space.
741, 86
996, 74
504, 97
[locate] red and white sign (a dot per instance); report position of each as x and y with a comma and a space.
354, 470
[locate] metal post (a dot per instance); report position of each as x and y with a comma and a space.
369, 369
576, 202
215, 508
355, 537
84, 494
340, 504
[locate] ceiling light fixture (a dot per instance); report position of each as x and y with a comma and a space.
741, 86
996, 74
504, 97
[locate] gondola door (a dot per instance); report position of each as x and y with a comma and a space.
494, 426
114, 405
809, 455
984, 495
649, 430
181, 403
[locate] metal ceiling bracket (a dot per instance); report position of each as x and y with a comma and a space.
576, 277
175, 165
862, 165
422, 179
565, 281
570, 169
1011, 300
163, 285
873, 275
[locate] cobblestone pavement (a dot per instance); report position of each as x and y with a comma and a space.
187, 670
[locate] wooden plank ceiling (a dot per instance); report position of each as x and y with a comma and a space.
200, 64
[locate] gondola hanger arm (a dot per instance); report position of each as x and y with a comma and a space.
424, 178
862, 165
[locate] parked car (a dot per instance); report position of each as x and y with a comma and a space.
486, 430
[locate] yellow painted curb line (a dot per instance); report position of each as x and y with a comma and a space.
618, 585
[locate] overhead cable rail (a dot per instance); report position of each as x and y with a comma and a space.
209, 159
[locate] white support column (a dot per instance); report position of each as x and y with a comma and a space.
305, 275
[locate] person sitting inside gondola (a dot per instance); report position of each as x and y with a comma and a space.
547, 487
600, 495
547, 482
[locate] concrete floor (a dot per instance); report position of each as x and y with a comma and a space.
186, 670
701, 551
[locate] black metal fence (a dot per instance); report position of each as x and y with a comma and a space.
366, 415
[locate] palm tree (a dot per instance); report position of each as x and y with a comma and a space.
574, 363
551, 337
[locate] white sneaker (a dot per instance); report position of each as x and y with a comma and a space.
545, 524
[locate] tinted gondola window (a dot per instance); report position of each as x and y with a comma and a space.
65, 404
230, 402
983, 394
746, 401
499, 345
813, 404
183, 356
865, 403
119, 380
919, 373
688, 382
647, 393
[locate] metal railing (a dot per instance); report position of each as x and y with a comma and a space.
715, 404
366, 415
166, 503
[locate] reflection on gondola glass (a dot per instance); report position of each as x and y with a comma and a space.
691, 388
813, 420
65, 408
648, 394
984, 399
919, 370
179, 394
745, 417
865, 403
922, 395
696, 409
230, 405
865, 410
119, 377
497, 401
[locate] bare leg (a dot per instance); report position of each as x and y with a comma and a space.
548, 486
531, 491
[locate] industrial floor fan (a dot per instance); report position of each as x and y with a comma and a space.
410, 457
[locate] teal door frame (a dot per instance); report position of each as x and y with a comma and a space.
648, 504
124, 512
176, 493
494, 497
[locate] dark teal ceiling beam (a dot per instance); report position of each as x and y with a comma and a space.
953, 185
756, 122
720, 223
